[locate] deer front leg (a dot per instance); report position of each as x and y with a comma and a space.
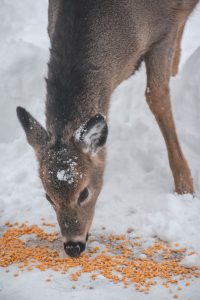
52, 14
158, 65
50, 18
177, 51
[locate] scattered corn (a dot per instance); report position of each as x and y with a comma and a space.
117, 262
187, 284
48, 224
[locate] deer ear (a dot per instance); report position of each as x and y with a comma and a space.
92, 135
35, 133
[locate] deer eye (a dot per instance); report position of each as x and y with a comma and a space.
83, 195
49, 199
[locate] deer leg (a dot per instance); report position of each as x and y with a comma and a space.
177, 51
50, 18
52, 14
158, 65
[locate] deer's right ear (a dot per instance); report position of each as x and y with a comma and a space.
91, 136
35, 133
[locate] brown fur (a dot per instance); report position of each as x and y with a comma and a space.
95, 45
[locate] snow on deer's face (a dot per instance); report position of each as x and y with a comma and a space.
72, 175
72, 181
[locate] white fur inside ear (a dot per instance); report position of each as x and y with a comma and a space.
90, 137
79, 132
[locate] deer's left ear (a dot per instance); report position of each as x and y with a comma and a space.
35, 133
92, 136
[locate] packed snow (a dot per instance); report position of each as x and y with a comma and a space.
138, 187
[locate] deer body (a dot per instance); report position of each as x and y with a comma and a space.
95, 45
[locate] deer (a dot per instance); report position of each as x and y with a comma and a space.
95, 46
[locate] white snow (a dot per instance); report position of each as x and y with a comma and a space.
190, 261
142, 256
138, 186
89, 137
70, 174
79, 132
61, 175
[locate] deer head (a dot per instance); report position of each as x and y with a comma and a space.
71, 174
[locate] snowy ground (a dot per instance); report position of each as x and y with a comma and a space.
138, 189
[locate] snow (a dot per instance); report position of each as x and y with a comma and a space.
61, 175
69, 175
79, 132
138, 185
190, 261
90, 136
142, 256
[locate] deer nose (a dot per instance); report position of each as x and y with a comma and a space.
74, 249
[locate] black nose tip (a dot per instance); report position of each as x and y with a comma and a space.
74, 249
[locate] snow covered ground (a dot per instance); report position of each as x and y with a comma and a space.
138, 189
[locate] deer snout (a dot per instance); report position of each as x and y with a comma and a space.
74, 249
